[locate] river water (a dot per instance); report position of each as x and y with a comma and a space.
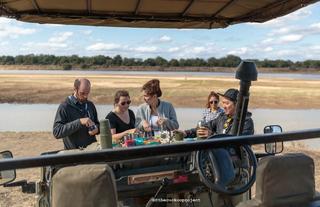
39, 117
160, 73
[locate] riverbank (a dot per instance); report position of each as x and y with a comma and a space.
182, 90
27, 144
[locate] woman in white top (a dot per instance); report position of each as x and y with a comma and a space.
155, 113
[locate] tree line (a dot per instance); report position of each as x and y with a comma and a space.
100, 60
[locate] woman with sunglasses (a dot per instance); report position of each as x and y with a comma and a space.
155, 114
212, 109
121, 118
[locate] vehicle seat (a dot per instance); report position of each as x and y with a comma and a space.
84, 186
284, 181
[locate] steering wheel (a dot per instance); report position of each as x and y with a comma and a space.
230, 170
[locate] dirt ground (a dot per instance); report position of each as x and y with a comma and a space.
182, 91
26, 144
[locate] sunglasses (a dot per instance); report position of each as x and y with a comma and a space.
123, 103
215, 102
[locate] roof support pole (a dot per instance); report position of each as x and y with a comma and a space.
89, 8
35, 5
186, 10
138, 5
223, 8
263, 9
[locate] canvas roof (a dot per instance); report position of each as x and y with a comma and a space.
149, 13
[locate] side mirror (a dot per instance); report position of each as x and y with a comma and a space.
276, 147
6, 176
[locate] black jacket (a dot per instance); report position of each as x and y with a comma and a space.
217, 126
67, 123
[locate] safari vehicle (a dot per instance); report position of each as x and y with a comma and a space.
219, 171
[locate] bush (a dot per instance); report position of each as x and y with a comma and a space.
67, 67
84, 66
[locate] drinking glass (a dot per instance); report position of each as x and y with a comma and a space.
201, 125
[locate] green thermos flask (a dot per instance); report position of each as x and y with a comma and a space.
105, 134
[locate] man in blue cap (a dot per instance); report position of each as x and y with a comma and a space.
223, 123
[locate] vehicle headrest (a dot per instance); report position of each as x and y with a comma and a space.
84, 186
284, 179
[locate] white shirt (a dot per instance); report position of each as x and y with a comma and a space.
153, 121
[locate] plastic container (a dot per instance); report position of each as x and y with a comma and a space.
139, 141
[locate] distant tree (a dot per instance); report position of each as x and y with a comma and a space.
189, 62
173, 63
195, 62
30, 60
230, 61
149, 62
298, 64
64, 60
182, 62
99, 60
138, 61
159, 61
47, 59
311, 64
109, 61
213, 62
128, 62
198, 62
267, 63
117, 60
284, 63
19, 60
75, 59
316, 64
87, 62
8, 60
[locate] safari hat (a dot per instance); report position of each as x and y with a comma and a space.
230, 94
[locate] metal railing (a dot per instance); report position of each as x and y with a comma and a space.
120, 154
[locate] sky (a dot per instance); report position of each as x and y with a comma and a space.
293, 37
